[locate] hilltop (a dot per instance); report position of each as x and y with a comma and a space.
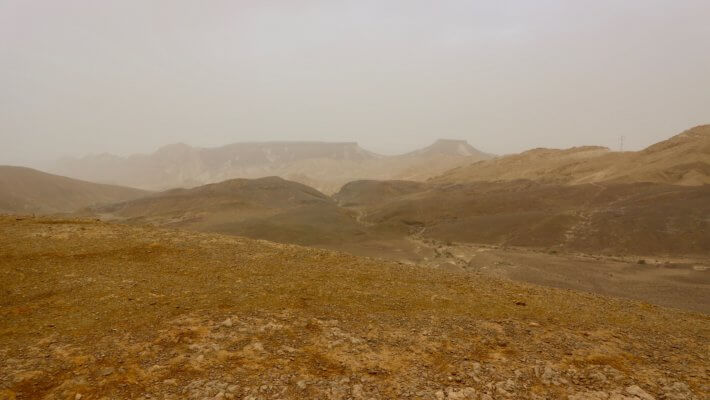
681, 160
267, 208
25, 190
97, 310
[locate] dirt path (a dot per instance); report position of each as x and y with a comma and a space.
674, 282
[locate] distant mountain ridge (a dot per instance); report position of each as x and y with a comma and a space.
324, 165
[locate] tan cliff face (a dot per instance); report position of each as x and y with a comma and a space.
683, 159
324, 166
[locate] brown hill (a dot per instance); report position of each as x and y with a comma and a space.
92, 310
25, 191
369, 192
267, 208
325, 166
682, 160
618, 218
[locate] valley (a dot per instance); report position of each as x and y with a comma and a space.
528, 286
354, 200
678, 282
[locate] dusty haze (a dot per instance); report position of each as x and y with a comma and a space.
130, 76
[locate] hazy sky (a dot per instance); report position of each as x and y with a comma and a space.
129, 76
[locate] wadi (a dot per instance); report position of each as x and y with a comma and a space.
354, 200
560, 278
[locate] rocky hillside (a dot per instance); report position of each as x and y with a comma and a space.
26, 191
372, 193
94, 310
324, 166
608, 218
681, 160
267, 208
611, 218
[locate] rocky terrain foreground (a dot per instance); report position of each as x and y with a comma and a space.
91, 310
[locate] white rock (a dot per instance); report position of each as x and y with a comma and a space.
638, 392
357, 391
598, 376
463, 394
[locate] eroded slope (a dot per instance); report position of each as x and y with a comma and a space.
612, 218
267, 208
683, 159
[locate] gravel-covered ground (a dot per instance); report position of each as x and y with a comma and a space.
91, 310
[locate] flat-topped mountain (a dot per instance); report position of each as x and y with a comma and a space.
25, 191
683, 160
325, 166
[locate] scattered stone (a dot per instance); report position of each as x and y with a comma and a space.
598, 377
463, 394
638, 392
597, 395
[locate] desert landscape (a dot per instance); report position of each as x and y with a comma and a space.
102, 310
455, 287
354, 200
324, 166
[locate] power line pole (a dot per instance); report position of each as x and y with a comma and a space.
621, 143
